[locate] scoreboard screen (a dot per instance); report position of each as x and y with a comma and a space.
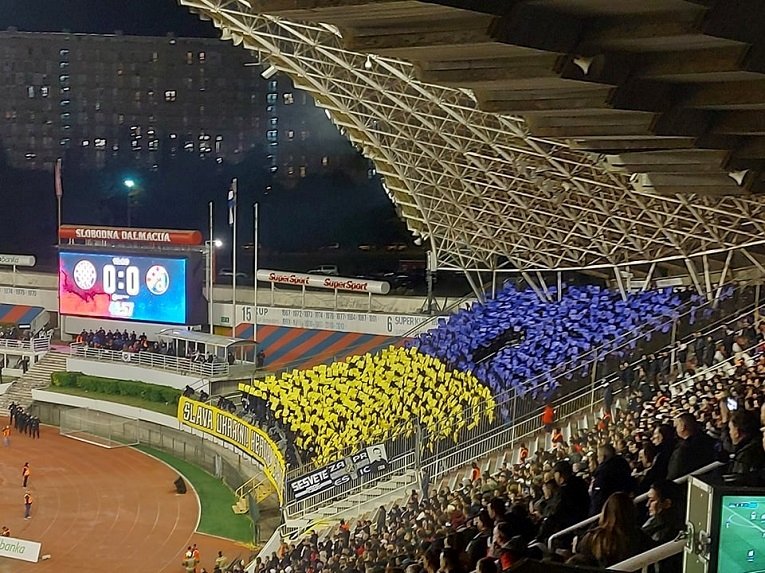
123, 286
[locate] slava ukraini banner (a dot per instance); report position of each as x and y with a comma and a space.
229, 428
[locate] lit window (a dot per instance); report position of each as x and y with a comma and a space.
302, 171
189, 57
271, 98
288, 98
272, 85
170, 95
30, 156
64, 102
64, 53
274, 169
64, 142
154, 144
85, 142
63, 65
272, 135
173, 136
154, 56
290, 134
273, 121
44, 91
100, 143
202, 57
31, 91
325, 161
63, 79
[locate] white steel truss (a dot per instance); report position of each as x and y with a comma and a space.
486, 194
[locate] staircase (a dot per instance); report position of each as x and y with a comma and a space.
257, 487
38, 376
364, 500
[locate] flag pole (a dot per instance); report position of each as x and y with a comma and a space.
59, 194
233, 256
255, 271
210, 267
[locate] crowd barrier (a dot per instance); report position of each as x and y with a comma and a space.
153, 360
31, 345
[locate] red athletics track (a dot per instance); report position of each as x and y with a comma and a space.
97, 510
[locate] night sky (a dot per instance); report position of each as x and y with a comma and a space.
139, 17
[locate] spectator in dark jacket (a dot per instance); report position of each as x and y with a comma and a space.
665, 520
694, 450
573, 502
612, 474
748, 458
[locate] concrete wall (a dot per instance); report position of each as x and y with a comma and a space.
167, 434
125, 372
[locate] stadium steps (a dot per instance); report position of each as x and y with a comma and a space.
38, 376
362, 502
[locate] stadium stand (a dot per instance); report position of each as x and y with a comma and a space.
369, 398
516, 337
522, 345
668, 432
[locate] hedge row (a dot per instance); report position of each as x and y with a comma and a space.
114, 387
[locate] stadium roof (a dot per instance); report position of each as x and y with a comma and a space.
539, 135
178, 333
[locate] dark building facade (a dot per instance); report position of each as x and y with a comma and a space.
94, 98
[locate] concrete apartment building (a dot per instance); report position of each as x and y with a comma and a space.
144, 99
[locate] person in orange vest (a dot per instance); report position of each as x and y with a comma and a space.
524, 452
548, 417
7, 436
475, 472
195, 553
27, 505
557, 436
25, 471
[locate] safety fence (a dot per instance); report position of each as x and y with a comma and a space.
31, 345
144, 359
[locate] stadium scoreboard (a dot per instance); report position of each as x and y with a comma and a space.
139, 285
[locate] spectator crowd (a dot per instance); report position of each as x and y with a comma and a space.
661, 429
369, 398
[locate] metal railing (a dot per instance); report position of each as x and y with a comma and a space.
31, 345
396, 467
143, 359
643, 561
590, 520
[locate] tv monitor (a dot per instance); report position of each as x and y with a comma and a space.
741, 537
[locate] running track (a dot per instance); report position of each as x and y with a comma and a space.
99, 510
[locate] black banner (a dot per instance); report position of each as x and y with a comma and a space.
359, 466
